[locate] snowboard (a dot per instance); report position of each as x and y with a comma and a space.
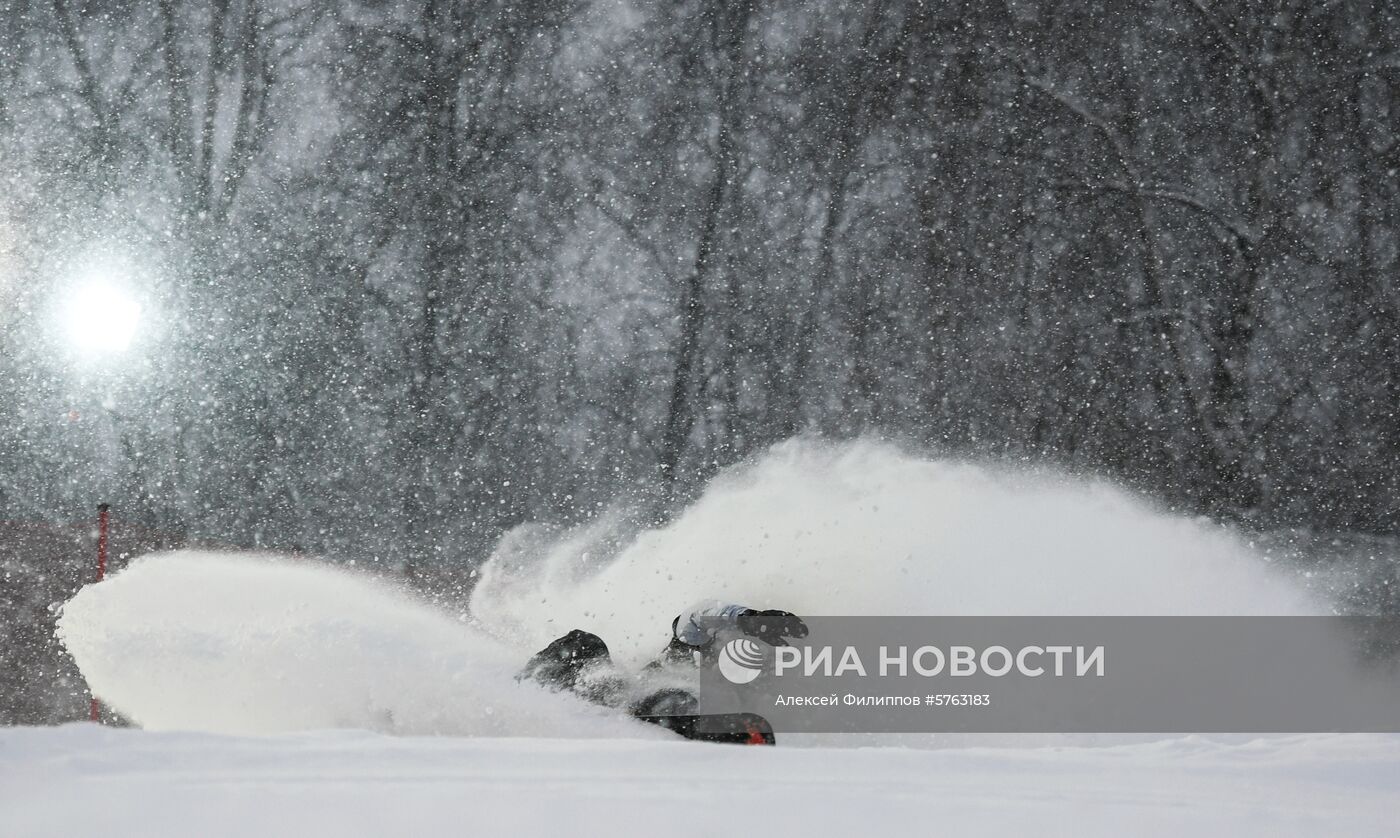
724, 728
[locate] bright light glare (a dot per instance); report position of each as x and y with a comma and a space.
102, 317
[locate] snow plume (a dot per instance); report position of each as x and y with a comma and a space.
240, 643
864, 528
244, 643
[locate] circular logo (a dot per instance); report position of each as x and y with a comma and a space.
741, 660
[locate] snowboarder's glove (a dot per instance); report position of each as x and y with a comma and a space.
771, 626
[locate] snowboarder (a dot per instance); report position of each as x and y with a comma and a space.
581, 663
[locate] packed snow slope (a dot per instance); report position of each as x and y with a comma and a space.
85, 780
243, 643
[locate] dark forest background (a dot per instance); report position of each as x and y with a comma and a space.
412, 273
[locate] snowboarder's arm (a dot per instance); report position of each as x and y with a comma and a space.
700, 624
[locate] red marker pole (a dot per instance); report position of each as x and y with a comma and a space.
103, 522
103, 519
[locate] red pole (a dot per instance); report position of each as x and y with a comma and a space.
103, 521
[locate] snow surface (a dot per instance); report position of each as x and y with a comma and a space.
83, 780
